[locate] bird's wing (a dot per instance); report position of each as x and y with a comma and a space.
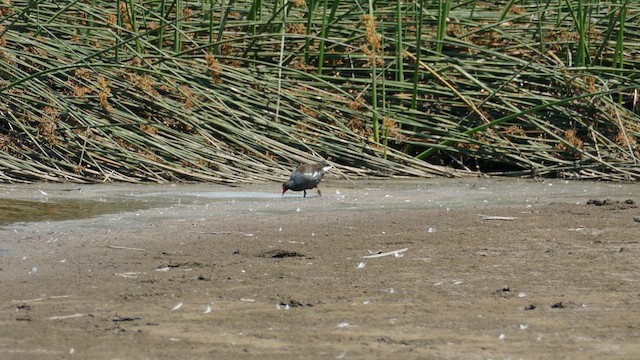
308, 171
300, 177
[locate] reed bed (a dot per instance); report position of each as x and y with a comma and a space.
240, 91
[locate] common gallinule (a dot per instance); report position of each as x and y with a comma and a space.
305, 177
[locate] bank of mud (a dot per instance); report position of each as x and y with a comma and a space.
218, 277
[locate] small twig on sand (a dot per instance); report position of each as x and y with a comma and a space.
225, 232
394, 253
506, 218
43, 298
129, 275
65, 317
124, 248
30, 300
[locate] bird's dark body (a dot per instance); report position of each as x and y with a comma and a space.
305, 177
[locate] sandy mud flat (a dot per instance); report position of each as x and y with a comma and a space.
437, 269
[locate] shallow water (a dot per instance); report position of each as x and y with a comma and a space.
129, 204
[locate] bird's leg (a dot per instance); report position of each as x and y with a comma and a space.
305, 193
319, 193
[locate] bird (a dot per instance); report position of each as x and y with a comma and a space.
305, 177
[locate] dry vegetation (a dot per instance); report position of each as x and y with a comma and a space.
235, 92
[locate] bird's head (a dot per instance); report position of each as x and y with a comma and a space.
284, 188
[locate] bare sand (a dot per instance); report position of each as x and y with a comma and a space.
236, 277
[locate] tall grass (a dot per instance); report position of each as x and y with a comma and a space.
236, 91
